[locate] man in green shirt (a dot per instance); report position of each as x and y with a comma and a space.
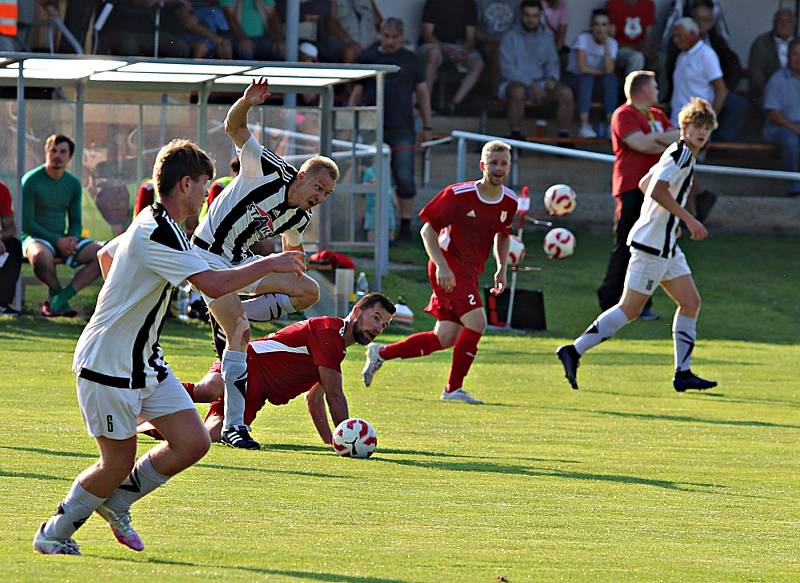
51, 200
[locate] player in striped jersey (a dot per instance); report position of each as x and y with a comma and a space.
120, 366
656, 258
268, 198
462, 224
304, 357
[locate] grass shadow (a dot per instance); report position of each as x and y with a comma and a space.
267, 471
29, 476
688, 419
53, 452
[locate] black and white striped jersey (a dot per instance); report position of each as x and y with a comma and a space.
119, 346
655, 230
252, 207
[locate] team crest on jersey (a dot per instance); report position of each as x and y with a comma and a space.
503, 216
261, 218
471, 214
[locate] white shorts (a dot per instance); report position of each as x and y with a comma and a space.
114, 413
646, 271
218, 262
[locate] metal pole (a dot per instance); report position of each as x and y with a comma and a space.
325, 148
79, 132
292, 43
382, 200
140, 147
514, 169
20, 169
202, 120
157, 32
461, 160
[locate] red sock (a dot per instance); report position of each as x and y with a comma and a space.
419, 344
189, 389
464, 352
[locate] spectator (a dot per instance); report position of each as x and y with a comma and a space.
530, 70
17, 20
220, 183
361, 20
631, 24
782, 106
640, 132
209, 31
130, 28
255, 28
52, 196
495, 18
682, 8
770, 51
10, 253
398, 118
320, 25
556, 21
592, 61
448, 32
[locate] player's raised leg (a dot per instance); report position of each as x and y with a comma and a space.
465, 348
414, 346
229, 313
280, 294
684, 332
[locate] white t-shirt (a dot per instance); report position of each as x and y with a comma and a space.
655, 230
119, 346
252, 207
594, 54
695, 69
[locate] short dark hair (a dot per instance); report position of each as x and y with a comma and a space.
395, 23
702, 4
598, 12
793, 44
177, 159
530, 4
373, 298
235, 165
55, 139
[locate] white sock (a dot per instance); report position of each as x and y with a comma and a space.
684, 334
72, 512
601, 329
142, 480
234, 373
268, 307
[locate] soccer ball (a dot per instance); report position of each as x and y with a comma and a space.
355, 438
559, 243
516, 250
560, 199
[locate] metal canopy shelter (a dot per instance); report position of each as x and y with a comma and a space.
194, 76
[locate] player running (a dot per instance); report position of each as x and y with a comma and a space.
268, 198
656, 258
462, 224
304, 357
120, 366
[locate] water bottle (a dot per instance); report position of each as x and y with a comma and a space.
184, 300
362, 285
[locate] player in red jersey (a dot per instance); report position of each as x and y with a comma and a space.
304, 357
462, 224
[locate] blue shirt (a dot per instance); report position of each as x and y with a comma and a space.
783, 95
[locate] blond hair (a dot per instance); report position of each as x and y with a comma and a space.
320, 162
177, 159
698, 112
635, 81
494, 146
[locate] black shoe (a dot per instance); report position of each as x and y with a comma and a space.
6, 310
239, 437
570, 358
686, 379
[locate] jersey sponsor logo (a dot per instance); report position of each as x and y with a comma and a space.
471, 214
261, 219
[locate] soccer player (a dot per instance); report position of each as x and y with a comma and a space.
656, 258
304, 357
268, 198
120, 365
462, 224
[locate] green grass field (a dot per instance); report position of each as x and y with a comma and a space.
622, 480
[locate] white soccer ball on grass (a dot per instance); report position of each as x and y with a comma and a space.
355, 438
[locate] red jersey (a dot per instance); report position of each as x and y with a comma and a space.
631, 20
629, 164
145, 196
467, 223
6, 207
284, 364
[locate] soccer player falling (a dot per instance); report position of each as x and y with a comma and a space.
656, 258
462, 224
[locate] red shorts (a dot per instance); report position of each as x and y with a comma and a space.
450, 306
254, 401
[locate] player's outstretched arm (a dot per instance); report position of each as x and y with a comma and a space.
315, 401
444, 276
331, 381
236, 120
216, 283
501, 245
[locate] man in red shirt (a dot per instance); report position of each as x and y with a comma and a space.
10, 253
462, 224
304, 357
640, 132
631, 24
